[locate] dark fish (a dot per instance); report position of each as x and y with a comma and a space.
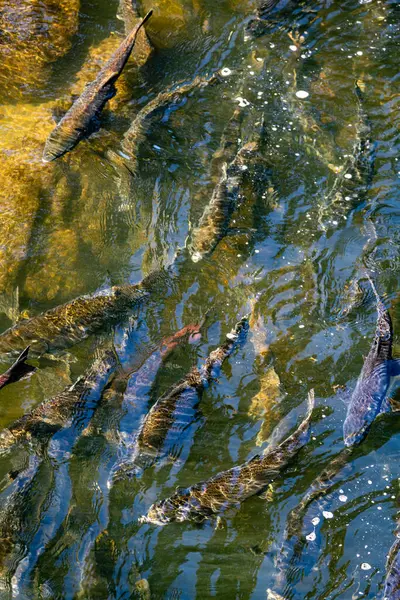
37, 426
128, 12
131, 384
392, 580
215, 221
231, 487
370, 395
136, 132
82, 117
165, 423
69, 323
18, 370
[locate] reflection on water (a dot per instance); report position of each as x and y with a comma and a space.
316, 204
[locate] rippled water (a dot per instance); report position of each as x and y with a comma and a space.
293, 258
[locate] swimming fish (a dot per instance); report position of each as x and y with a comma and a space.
82, 118
392, 579
18, 370
65, 325
37, 426
128, 12
136, 132
231, 487
131, 384
214, 223
370, 395
163, 426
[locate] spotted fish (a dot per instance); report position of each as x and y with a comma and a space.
162, 428
370, 395
82, 117
231, 487
216, 218
65, 325
37, 426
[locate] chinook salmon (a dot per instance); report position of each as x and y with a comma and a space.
65, 325
392, 579
131, 384
18, 370
162, 428
216, 218
369, 398
231, 487
82, 118
40, 424
136, 132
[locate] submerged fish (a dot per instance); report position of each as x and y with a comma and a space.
392, 580
128, 12
136, 132
132, 383
165, 423
69, 323
370, 395
18, 370
38, 425
354, 178
233, 486
82, 117
215, 221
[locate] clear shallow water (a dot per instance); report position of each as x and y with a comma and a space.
79, 225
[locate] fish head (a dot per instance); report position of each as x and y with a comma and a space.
190, 332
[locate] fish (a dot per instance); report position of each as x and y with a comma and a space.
82, 118
128, 13
41, 423
130, 384
216, 218
163, 426
369, 398
230, 488
69, 323
392, 579
354, 178
136, 132
19, 370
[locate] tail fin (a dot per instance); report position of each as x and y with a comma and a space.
301, 435
18, 370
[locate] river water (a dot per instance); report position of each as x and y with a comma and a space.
294, 258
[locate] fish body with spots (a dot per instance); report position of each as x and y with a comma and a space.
162, 428
229, 488
37, 426
82, 117
69, 323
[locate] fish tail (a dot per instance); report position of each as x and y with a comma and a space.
302, 433
18, 370
145, 18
